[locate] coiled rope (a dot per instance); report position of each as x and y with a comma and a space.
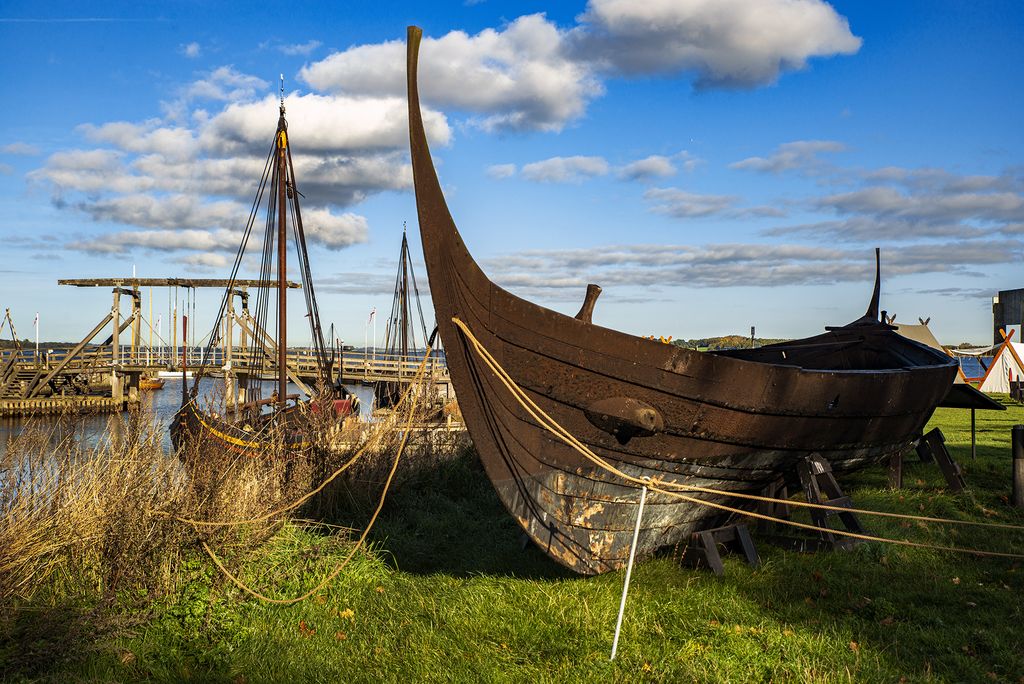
666, 488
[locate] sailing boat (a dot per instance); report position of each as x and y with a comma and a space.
267, 425
731, 421
400, 334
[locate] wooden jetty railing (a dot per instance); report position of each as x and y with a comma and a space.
22, 371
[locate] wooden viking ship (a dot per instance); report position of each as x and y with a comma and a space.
400, 332
734, 421
260, 426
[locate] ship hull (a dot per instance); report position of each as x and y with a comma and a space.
719, 421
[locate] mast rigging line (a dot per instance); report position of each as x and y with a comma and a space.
253, 211
659, 485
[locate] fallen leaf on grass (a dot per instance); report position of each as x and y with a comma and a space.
646, 667
380, 590
340, 636
886, 621
713, 623
956, 580
305, 629
972, 604
348, 613
127, 657
855, 647
787, 632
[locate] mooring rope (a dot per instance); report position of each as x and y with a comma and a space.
374, 438
351, 554
411, 391
549, 423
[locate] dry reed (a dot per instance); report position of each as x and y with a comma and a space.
79, 515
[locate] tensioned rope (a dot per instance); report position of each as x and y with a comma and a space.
767, 499
547, 422
411, 391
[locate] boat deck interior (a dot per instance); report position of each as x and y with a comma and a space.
856, 348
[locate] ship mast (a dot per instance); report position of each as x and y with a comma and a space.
282, 252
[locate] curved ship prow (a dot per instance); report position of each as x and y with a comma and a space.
732, 421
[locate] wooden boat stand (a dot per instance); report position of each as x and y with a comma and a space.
931, 448
703, 549
819, 487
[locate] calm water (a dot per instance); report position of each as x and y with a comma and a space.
974, 366
161, 404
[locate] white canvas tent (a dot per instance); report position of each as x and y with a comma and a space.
1005, 368
923, 334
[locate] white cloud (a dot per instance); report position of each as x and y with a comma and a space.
800, 155
225, 84
207, 261
682, 204
565, 169
300, 48
337, 123
19, 148
654, 166
501, 170
168, 213
903, 205
652, 266
726, 43
161, 240
147, 137
190, 50
886, 201
518, 78
333, 231
686, 205
532, 75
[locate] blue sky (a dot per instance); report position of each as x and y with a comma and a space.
712, 164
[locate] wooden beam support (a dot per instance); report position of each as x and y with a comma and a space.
220, 283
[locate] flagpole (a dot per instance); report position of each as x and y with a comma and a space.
37, 338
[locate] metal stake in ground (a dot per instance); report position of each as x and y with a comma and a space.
1017, 440
629, 570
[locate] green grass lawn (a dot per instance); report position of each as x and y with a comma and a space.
447, 594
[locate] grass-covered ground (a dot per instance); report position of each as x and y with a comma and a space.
447, 594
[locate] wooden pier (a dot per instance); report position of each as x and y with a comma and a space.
60, 405
105, 375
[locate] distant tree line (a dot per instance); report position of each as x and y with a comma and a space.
726, 342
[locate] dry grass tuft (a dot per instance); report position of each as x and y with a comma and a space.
101, 515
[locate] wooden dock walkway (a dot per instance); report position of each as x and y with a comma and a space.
60, 405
